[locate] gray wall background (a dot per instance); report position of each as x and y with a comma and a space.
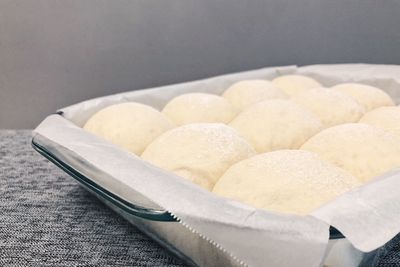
55, 53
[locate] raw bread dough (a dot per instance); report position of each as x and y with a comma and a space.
199, 152
276, 124
199, 107
330, 106
130, 125
294, 84
247, 92
363, 150
386, 118
368, 96
290, 181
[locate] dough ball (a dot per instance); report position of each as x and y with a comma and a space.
130, 125
368, 96
386, 118
247, 92
294, 84
330, 106
199, 107
290, 181
199, 152
276, 124
363, 150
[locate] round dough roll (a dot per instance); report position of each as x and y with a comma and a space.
363, 150
247, 92
276, 124
330, 106
199, 152
386, 118
368, 96
294, 84
129, 125
199, 107
289, 181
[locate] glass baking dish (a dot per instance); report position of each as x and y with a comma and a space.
61, 134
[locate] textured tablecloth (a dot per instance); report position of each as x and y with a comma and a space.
46, 219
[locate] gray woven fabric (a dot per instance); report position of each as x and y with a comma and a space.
388, 255
46, 219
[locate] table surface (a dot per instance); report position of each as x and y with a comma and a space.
46, 219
